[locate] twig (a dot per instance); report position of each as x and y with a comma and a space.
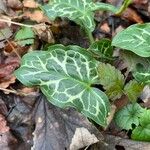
13, 92
16, 23
11, 45
9, 91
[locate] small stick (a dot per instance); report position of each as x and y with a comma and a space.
16, 23
11, 45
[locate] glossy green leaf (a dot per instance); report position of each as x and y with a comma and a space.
133, 90
112, 80
142, 132
102, 49
142, 74
66, 75
80, 11
128, 116
25, 36
135, 38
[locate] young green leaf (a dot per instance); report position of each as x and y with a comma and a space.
135, 38
142, 132
102, 49
25, 36
112, 80
80, 11
133, 90
128, 116
66, 76
142, 74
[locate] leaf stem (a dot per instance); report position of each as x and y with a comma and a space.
90, 36
123, 7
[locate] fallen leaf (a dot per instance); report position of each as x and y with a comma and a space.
105, 27
30, 4
44, 33
4, 34
132, 15
3, 107
117, 143
5, 83
82, 138
3, 7
56, 129
15, 4
36, 15
6, 138
6, 71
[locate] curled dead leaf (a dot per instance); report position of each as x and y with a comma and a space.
44, 33
132, 15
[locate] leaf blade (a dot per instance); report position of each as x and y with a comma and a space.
66, 81
128, 116
80, 11
135, 38
142, 132
112, 84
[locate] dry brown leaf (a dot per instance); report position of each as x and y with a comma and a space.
15, 4
6, 137
36, 15
44, 33
30, 4
3, 126
132, 15
140, 1
105, 27
82, 138
5, 83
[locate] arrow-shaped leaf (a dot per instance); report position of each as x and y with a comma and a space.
135, 38
65, 76
80, 11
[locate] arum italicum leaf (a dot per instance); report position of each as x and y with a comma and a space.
66, 77
135, 38
142, 73
80, 11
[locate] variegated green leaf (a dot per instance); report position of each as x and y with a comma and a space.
135, 38
102, 49
142, 74
80, 11
66, 75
